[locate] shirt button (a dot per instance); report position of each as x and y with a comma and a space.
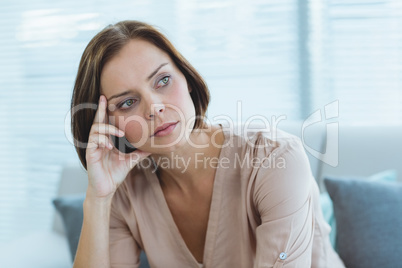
283, 256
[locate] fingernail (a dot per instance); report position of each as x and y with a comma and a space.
121, 133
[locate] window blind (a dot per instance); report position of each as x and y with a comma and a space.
356, 48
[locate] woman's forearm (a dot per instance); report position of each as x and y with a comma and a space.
93, 246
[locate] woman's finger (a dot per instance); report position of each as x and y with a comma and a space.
101, 111
99, 141
106, 129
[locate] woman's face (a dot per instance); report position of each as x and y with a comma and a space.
145, 90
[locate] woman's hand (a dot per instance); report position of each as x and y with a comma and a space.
107, 167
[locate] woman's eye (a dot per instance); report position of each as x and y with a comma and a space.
164, 81
126, 103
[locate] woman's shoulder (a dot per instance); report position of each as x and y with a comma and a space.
279, 169
260, 140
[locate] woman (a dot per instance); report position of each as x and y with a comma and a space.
190, 194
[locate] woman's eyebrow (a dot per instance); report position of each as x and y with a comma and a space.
149, 78
157, 69
119, 95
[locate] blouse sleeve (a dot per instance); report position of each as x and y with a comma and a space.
124, 250
282, 197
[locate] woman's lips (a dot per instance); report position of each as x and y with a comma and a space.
166, 130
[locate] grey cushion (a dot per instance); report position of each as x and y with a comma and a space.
327, 207
369, 221
71, 210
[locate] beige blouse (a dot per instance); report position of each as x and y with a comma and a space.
265, 211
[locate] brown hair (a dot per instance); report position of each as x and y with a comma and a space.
103, 46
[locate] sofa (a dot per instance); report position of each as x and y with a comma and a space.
334, 151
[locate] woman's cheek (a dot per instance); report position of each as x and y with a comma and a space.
182, 100
136, 131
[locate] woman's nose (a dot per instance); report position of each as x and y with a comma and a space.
155, 110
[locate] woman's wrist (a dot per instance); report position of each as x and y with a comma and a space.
92, 199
